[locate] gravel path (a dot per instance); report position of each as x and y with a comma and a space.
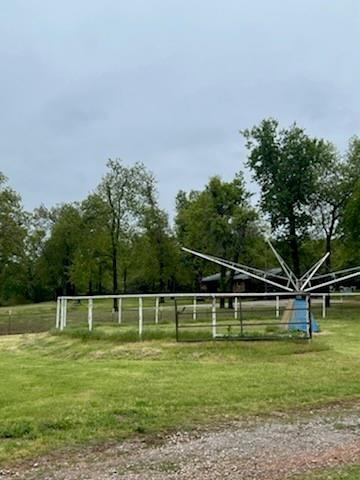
262, 449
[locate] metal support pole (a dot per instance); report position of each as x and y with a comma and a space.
309, 323
228, 265
277, 307
157, 304
324, 306
194, 310
213, 317
57, 325
332, 282
90, 314
119, 311
141, 318
236, 307
314, 270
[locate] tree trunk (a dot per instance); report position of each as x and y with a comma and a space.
99, 285
161, 279
222, 285
114, 276
294, 247
125, 280
161, 263
161, 272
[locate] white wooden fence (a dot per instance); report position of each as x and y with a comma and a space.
274, 298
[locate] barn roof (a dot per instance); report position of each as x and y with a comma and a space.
215, 277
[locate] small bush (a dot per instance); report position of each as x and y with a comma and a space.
18, 429
46, 426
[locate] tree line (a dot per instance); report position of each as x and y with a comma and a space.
119, 240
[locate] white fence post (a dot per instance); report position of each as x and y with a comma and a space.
236, 308
90, 314
65, 311
119, 311
61, 314
277, 306
57, 325
194, 309
324, 306
157, 303
213, 317
241, 319
141, 318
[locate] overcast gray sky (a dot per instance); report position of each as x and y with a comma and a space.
167, 82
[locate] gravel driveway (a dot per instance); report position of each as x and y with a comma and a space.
275, 447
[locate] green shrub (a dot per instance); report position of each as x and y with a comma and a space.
17, 429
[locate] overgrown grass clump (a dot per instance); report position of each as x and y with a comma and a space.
115, 334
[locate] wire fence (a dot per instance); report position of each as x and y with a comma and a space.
144, 316
27, 318
217, 316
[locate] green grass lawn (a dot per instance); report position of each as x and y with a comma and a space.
60, 390
346, 473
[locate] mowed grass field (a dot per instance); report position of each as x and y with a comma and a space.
345, 473
71, 389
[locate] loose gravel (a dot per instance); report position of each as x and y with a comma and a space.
271, 448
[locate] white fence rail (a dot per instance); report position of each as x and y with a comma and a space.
274, 300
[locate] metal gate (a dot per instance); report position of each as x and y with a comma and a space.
245, 319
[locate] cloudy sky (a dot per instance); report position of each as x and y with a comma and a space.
167, 82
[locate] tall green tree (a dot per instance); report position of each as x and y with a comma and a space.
336, 180
123, 193
218, 219
158, 251
60, 248
284, 162
92, 260
351, 225
38, 229
350, 222
12, 237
